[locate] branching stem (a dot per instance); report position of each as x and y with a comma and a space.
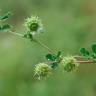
34, 40
51, 51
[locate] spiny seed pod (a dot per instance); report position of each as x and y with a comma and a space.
34, 25
69, 63
42, 70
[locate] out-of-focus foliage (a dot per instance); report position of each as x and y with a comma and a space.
69, 25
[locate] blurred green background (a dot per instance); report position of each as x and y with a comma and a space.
69, 25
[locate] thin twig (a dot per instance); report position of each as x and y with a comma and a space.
79, 57
86, 62
16, 34
79, 62
43, 45
51, 51
36, 41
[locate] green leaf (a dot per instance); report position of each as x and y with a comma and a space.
0, 27
84, 52
54, 65
29, 36
94, 48
54, 58
5, 27
5, 16
93, 55
59, 54
50, 57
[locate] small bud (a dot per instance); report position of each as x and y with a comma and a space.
34, 25
69, 63
42, 70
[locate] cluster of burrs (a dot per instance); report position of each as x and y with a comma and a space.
42, 70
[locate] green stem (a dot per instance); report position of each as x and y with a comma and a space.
86, 62
43, 45
16, 34
82, 60
51, 51
78, 57
35, 40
